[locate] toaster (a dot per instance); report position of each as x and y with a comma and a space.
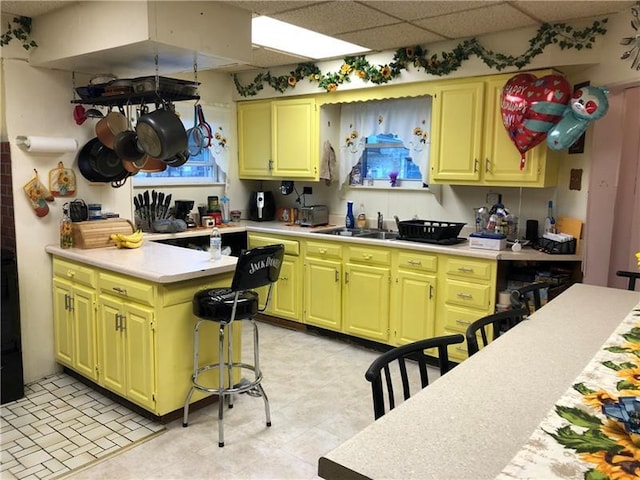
314, 215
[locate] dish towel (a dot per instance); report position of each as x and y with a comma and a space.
328, 163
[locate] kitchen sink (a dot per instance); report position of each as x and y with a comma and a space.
361, 233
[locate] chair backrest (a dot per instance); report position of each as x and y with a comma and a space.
521, 297
498, 322
632, 276
258, 267
413, 351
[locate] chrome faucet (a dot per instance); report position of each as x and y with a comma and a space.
380, 221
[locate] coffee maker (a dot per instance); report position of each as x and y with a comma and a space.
182, 211
262, 207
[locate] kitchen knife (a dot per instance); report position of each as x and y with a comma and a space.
154, 200
146, 205
160, 204
167, 203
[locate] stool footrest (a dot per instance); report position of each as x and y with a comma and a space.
243, 387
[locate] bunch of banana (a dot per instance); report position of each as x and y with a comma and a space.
133, 240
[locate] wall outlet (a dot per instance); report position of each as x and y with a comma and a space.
307, 190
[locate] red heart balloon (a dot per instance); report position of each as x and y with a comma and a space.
530, 106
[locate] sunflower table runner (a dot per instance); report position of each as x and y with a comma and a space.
593, 431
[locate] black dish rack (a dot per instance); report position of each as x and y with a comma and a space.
430, 231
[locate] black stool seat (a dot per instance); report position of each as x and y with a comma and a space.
216, 304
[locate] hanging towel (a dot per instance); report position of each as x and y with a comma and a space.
328, 163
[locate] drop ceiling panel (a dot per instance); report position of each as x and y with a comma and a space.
264, 58
481, 21
269, 8
561, 11
336, 17
414, 10
390, 37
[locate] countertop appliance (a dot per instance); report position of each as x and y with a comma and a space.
262, 207
314, 215
183, 212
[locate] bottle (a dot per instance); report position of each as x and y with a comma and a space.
66, 229
362, 218
215, 244
349, 221
550, 221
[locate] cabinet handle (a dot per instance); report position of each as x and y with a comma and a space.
475, 165
414, 262
466, 323
337, 276
70, 303
462, 349
66, 301
430, 291
465, 269
465, 296
486, 165
270, 165
322, 250
367, 256
123, 319
284, 279
346, 277
122, 291
117, 319
71, 273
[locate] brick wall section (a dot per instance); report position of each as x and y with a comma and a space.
8, 232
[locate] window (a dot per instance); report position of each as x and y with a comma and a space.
207, 167
385, 154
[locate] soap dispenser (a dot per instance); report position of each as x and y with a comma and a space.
349, 220
362, 218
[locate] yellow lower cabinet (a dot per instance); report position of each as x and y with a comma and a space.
365, 299
74, 316
413, 297
323, 285
127, 353
286, 294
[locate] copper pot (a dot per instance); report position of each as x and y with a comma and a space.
110, 126
153, 165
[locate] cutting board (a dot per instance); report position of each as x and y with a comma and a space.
96, 233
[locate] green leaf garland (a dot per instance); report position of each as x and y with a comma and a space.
20, 31
565, 36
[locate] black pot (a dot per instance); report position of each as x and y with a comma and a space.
161, 134
97, 163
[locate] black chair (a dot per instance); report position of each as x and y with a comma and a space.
499, 322
632, 276
255, 268
411, 351
522, 297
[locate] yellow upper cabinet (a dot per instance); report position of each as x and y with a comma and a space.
470, 144
279, 139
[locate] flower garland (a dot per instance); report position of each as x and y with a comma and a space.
20, 31
565, 36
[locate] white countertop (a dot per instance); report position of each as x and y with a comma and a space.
463, 249
153, 261
470, 423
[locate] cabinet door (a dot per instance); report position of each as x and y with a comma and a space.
295, 138
84, 326
501, 157
286, 295
137, 335
254, 139
366, 301
457, 132
322, 293
63, 321
413, 307
112, 347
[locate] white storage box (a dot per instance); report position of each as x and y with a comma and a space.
486, 242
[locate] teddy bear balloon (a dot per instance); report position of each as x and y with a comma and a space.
586, 105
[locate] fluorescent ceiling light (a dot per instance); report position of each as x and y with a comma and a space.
277, 35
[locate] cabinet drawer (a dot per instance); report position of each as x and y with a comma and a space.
369, 255
324, 250
469, 268
467, 294
458, 320
291, 247
183, 292
418, 261
128, 288
74, 272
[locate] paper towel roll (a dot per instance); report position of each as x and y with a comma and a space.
47, 144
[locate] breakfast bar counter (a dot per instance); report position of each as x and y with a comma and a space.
470, 423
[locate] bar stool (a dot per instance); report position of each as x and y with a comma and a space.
256, 268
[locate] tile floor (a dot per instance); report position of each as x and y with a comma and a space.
62, 424
318, 396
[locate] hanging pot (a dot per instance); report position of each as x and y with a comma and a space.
127, 147
110, 126
161, 134
178, 159
97, 163
153, 165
